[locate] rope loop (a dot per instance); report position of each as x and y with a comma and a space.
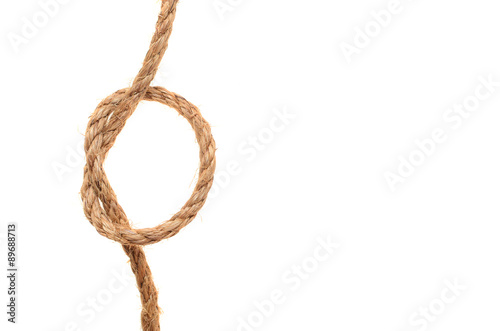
100, 203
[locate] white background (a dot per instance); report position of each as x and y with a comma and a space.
321, 177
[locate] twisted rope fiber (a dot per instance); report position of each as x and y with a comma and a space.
100, 203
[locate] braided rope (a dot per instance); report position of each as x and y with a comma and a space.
101, 206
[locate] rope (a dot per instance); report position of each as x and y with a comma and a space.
100, 204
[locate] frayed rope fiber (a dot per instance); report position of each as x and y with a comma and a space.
100, 204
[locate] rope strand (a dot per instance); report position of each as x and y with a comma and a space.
100, 203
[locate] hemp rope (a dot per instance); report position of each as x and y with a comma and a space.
100, 203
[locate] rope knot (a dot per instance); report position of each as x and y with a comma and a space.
100, 203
